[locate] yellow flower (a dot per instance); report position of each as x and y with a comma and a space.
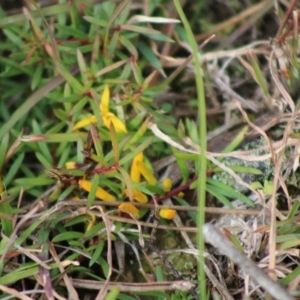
100, 193
167, 213
167, 184
70, 165
135, 173
128, 208
138, 196
107, 116
111, 118
138, 169
85, 122
104, 104
147, 174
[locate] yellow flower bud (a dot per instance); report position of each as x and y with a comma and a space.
138, 196
85, 122
100, 193
75, 198
104, 104
167, 213
70, 165
128, 208
147, 173
112, 118
135, 173
167, 184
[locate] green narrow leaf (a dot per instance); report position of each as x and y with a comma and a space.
137, 72
236, 141
61, 115
78, 107
43, 160
37, 76
37, 32
127, 182
294, 210
13, 169
104, 265
54, 138
74, 83
15, 39
149, 55
34, 181
67, 236
74, 13
159, 273
80, 156
117, 11
66, 193
82, 66
260, 78
235, 241
27, 232
55, 55
95, 21
192, 130
6, 209
95, 53
114, 142
16, 66
97, 144
290, 277
230, 192
182, 202
126, 72
96, 253
94, 230
140, 29
129, 46
289, 245
3, 150
113, 43
17, 275
71, 98
186, 156
138, 134
182, 165
113, 293
42, 146
71, 31
241, 169
213, 190
136, 151
29, 104
110, 68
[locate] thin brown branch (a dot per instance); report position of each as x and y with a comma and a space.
220, 241
180, 285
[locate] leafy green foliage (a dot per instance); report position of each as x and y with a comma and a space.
84, 91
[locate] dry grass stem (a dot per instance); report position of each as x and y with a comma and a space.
218, 240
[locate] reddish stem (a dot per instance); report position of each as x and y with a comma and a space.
175, 191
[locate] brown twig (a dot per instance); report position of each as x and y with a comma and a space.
180, 285
210, 210
218, 240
